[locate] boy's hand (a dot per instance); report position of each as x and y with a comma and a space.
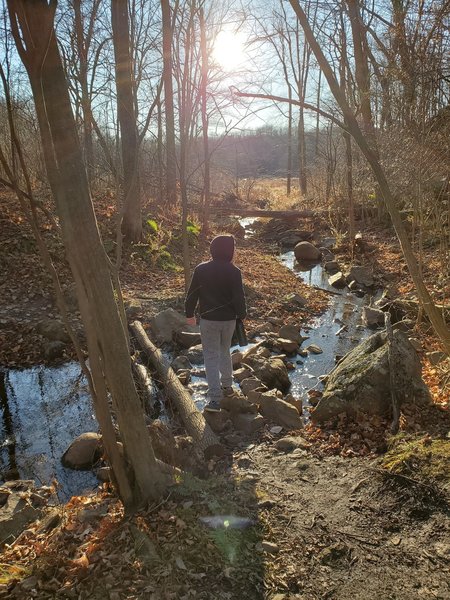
191, 321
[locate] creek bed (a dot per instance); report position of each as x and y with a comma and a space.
44, 408
326, 330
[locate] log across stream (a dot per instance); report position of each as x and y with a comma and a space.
44, 408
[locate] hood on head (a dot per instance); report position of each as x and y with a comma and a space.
222, 247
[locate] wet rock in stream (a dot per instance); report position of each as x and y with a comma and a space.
362, 382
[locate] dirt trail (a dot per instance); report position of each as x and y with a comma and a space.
343, 532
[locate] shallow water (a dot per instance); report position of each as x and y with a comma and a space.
325, 331
43, 410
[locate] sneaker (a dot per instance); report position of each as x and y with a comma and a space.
227, 391
213, 406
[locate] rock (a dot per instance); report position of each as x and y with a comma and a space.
254, 395
236, 359
337, 280
280, 412
53, 330
272, 373
291, 332
186, 339
248, 423
314, 349
83, 452
19, 508
361, 381
264, 328
296, 300
288, 444
194, 354
287, 346
238, 403
331, 266
54, 350
362, 275
243, 373
218, 421
251, 383
372, 317
264, 353
297, 402
276, 429
307, 251
167, 322
133, 309
436, 357
181, 363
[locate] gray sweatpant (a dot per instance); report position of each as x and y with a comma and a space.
216, 342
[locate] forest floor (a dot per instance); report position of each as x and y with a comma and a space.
332, 518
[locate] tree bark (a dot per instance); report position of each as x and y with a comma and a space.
205, 125
171, 160
433, 313
126, 114
33, 30
193, 420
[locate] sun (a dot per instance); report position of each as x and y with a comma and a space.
228, 51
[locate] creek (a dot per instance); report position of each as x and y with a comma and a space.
44, 408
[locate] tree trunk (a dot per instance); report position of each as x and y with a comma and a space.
126, 114
192, 418
32, 26
171, 160
205, 125
433, 313
82, 47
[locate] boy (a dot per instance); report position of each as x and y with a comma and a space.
217, 287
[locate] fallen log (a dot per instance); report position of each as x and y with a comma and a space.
144, 386
192, 418
267, 214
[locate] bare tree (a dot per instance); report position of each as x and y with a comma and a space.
126, 112
435, 316
138, 480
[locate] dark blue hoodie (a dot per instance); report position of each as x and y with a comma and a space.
217, 285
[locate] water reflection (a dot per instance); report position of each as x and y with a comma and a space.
43, 410
327, 331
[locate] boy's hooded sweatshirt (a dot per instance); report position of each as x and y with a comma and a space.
217, 285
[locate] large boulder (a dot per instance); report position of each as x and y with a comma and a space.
168, 322
273, 372
83, 452
307, 251
362, 382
